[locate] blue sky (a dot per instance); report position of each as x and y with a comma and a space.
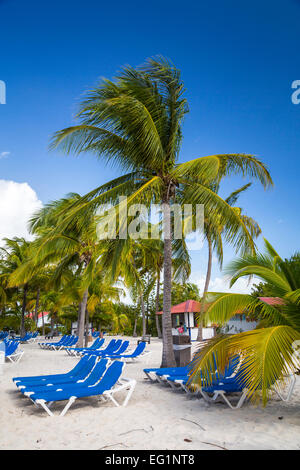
238, 61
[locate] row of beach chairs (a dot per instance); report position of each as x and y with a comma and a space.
27, 338
3, 335
116, 349
12, 351
223, 385
92, 376
66, 340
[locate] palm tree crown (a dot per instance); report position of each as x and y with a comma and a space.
135, 122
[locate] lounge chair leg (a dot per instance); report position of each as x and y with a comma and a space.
148, 374
70, 402
239, 403
158, 378
290, 390
173, 386
130, 392
43, 405
113, 399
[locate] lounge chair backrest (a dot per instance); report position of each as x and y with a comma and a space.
139, 349
79, 366
111, 376
96, 373
111, 345
96, 344
122, 348
100, 343
11, 348
86, 369
69, 342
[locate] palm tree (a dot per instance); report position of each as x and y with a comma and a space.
15, 253
270, 347
135, 121
72, 250
213, 234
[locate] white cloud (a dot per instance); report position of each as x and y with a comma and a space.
221, 284
18, 201
4, 154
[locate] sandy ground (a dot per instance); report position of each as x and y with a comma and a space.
156, 418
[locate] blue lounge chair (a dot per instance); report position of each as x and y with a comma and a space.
46, 345
112, 346
154, 372
92, 377
23, 339
138, 352
233, 385
81, 374
181, 380
11, 351
123, 347
178, 377
109, 384
44, 378
97, 344
118, 349
70, 342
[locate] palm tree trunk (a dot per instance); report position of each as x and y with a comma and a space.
86, 328
43, 324
157, 305
37, 304
80, 329
207, 281
168, 358
22, 329
78, 318
134, 328
52, 324
143, 313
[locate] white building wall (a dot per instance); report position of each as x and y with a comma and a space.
236, 325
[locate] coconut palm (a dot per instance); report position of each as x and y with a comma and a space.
270, 348
214, 234
135, 121
68, 251
15, 253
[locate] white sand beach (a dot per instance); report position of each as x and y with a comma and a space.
156, 417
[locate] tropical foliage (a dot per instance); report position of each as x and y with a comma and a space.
269, 350
135, 121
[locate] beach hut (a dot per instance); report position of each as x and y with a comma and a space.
187, 313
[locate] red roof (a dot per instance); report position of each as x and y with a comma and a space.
31, 314
195, 307
185, 307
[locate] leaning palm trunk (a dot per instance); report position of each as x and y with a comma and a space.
82, 319
86, 328
52, 324
168, 358
207, 281
36, 310
157, 306
135, 325
143, 313
43, 324
22, 329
